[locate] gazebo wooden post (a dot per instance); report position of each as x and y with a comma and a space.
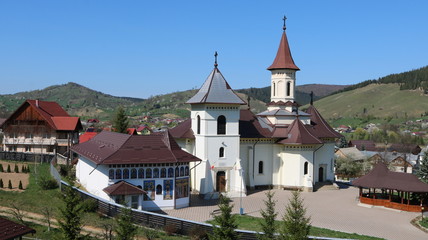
401, 197
390, 194
408, 198
374, 193
361, 191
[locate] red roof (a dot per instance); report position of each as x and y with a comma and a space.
298, 134
53, 114
87, 136
12, 230
123, 188
380, 177
249, 126
283, 59
117, 148
131, 131
183, 130
319, 127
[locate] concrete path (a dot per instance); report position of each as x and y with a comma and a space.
333, 209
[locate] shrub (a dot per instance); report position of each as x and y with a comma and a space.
16, 169
8, 168
1, 168
1, 183
198, 233
89, 205
9, 185
170, 229
47, 183
150, 234
23, 169
20, 185
64, 170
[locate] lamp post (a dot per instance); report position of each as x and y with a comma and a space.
422, 211
241, 209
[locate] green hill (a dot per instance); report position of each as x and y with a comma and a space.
375, 100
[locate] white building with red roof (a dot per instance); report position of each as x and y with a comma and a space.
282, 147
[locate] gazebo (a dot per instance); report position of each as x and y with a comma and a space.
397, 190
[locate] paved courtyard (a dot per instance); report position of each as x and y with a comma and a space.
332, 209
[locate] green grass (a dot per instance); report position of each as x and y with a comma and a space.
424, 223
253, 224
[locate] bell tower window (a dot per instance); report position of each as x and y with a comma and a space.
273, 89
221, 152
288, 88
221, 125
198, 124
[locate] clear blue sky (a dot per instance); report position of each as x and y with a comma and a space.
143, 48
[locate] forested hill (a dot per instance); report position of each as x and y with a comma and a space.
410, 80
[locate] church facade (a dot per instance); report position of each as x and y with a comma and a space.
282, 147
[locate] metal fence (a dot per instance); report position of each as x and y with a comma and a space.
26, 157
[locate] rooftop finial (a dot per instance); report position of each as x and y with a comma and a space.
215, 63
312, 97
284, 18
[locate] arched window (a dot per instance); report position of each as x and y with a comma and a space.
111, 174
156, 173
133, 173
141, 173
261, 167
305, 168
198, 125
118, 174
273, 89
221, 125
158, 189
221, 152
288, 88
181, 171
163, 173
125, 173
186, 171
170, 172
148, 173
177, 172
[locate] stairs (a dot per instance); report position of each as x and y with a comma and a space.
325, 186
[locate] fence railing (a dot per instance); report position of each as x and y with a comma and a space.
27, 156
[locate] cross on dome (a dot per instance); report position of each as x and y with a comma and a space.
284, 18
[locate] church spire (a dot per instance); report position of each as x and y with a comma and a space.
283, 59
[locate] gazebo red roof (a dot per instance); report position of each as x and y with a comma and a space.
12, 230
382, 178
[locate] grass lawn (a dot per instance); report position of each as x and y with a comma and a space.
424, 223
253, 224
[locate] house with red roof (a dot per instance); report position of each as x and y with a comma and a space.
282, 147
149, 172
40, 127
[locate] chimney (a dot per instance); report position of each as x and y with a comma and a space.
37, 102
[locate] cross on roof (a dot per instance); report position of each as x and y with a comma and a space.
284, 18
215, 63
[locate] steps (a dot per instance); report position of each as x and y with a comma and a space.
325, 186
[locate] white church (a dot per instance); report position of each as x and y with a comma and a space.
282, 147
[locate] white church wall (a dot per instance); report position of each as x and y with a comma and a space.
293, 164
94, 178
325, 157
264, 153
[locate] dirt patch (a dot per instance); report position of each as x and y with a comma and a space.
14, 177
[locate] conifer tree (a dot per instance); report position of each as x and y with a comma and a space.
124, 229
1, 168
268, 223
20, 185
23, 169
8, 168
9, 185
226, 222
16, 169
120, 121
1, 183
70, 222
295, 224
422, 172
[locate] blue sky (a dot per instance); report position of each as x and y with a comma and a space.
144, 48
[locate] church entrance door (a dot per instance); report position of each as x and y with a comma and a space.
221, 181
321, 174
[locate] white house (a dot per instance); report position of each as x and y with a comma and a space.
281, 147
149, 172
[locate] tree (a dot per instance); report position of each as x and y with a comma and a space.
1, 183
348, 168
120, 121
16, 169
8, 168
1, 168
47, 213
124, 229
226, 222
20, 185
269, 215
70, 222
422, 171
295, 225
9, 185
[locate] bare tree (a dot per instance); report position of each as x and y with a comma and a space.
47, 213
17, 213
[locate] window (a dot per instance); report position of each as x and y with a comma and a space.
181, 171
273, 89
177, 172
28, 148
148, 173
163, 173
133, 173
125, 173
134, 201
186, 171
288, 88
305, 168
198, 129
221, 152
158, 189
182, 186
120, 199
261, 167
118, 174
170, 172
221, 125
156, 173
141, 173
111, 174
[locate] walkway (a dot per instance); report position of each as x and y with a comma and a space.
334, 209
